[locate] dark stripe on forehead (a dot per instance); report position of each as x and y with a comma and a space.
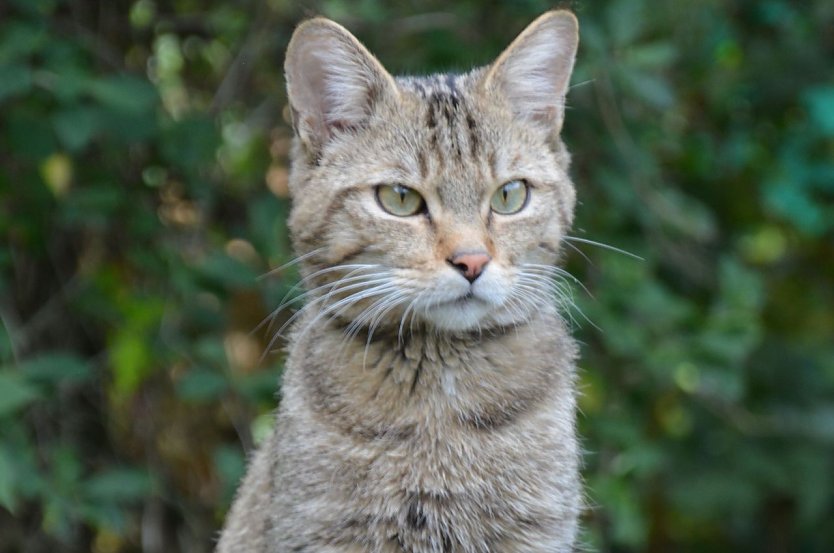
474, 138
419, 88
431, 117
422, 164
442, 118
441, 84
454, 133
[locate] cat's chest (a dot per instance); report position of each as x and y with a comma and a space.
400, 446
437, 486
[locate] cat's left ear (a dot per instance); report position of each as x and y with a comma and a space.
333, 82
533, 73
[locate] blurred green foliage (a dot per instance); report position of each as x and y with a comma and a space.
143, 157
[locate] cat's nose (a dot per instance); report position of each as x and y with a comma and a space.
470, 264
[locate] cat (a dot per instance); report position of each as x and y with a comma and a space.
428, 399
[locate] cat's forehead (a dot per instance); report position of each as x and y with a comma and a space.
438, 85
455, 153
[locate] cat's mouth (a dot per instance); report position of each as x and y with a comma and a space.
462, 313
468, 304
466, 297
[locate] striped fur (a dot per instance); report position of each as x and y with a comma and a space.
411, 421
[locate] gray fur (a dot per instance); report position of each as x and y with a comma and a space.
398, 434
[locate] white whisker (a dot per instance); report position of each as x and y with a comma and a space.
335, 286
605, 246
285, 302
535, 276
290, 263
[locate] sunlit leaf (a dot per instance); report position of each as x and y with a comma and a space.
131, 360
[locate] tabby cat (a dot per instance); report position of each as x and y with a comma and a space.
428, 401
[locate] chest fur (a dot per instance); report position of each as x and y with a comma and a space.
428, 447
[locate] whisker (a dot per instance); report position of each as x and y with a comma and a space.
604, 246
373, 315
520, 311
355, 269
394, 302
334, 287
558, 285
404, 317
290, 263
554, 271
356, 296
581, 83
336, 309
580, 252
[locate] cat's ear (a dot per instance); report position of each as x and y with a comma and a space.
534, 71
333, 82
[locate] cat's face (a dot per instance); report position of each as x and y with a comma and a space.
441, 200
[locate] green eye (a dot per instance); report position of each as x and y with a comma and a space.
399, 200
510, 198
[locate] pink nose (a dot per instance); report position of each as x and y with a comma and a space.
470, 264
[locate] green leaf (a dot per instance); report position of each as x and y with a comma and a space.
14, 80
230, 466
56, 367
201, 385
784, 196
189, 143
127, 128
626, 20
118, 485
75, 127
30, 136
259, 386
93, 205
36, 7
8, 478
651, 88
132, 362
652, 55
15, 393
104, 515
820, 104
227, 272
125, 93
18, 40
68, 83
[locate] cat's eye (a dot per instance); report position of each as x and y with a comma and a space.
400, 200
510, 198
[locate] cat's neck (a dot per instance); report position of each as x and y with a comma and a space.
391, 385
338, 340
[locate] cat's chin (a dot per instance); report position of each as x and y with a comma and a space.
465, 314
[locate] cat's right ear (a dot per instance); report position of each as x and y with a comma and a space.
333, 82
533, 73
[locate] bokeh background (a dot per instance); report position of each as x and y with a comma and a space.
143, 169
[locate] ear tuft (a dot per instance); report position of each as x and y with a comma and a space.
533, 73
333, 81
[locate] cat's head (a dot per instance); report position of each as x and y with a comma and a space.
442, 199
